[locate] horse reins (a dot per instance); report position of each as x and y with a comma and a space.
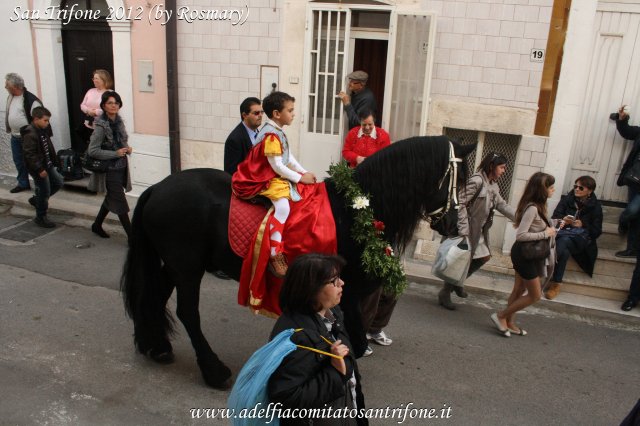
437, 215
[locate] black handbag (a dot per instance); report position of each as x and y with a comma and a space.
538, 249
535, 250
95, 165
632, 175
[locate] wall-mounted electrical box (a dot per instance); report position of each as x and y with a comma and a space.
145, 76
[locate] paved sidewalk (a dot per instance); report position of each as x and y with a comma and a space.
75, 206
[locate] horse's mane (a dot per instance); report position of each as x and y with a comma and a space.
402, 180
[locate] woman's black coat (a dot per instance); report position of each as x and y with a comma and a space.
306, 379
591, 217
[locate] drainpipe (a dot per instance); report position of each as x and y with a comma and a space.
172, 87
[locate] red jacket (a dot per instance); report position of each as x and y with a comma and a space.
364, 145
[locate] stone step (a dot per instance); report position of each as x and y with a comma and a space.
608, 264
613, 284
610, 239
611, 214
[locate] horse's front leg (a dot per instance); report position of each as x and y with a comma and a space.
350, 305
214, 372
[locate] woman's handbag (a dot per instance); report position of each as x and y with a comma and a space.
536, 250
95, 165
452, 261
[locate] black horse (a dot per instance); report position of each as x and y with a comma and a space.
180, 231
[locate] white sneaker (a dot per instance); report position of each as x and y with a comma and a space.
367, 351
380, 338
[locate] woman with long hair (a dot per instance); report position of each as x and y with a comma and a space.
109, 142
532, 224
309, 300
478, 200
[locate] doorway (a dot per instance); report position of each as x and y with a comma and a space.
86, 46
370, 55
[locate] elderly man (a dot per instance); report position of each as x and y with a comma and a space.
243, 137
360, 100
20, 103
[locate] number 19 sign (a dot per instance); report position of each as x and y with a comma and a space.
537, 55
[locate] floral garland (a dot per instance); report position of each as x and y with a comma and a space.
378, 258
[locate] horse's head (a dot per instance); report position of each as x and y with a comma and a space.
454, 176
411, 179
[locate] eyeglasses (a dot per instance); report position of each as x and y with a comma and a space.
578, 187
336, 281
257, 113
111, 103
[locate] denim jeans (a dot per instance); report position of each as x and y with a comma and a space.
566, 247
630, 217
46, 187
18, 160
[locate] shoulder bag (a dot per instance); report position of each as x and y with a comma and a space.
95, 165
537, 249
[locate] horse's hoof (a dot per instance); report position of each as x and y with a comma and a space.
164, 357
217, 376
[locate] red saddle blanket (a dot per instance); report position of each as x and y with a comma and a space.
309, 228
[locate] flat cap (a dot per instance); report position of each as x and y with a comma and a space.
358, 76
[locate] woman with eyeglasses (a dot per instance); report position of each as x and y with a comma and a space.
478, 200
580, 216
109, 142
309, 299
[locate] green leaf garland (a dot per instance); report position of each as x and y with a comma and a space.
378, 258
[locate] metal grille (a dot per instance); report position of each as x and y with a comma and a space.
327, 59
504, 144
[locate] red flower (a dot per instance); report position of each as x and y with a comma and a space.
388, 251
379, 225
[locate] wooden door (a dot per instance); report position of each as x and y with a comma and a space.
598, 149
86, 46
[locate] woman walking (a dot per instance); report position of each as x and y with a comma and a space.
109, 142
479, 198
532, 225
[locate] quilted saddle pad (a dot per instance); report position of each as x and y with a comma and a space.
244, 219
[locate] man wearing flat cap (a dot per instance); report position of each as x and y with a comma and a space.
360, 100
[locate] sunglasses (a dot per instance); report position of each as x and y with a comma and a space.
335, 281
579, 187
257, 113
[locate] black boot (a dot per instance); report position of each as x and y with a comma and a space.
444, 297
96, 227
126, 223
460, 292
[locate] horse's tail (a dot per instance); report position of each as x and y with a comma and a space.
142, 284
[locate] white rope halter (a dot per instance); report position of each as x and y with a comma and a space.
436, 215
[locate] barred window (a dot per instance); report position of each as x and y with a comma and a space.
502, 143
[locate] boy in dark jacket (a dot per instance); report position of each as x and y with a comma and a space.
41, 161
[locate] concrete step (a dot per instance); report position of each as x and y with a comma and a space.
608, 264
610, 239
610, 280
611, 214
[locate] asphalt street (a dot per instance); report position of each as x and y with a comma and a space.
67, 355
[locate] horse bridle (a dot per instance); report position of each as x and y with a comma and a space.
436, 216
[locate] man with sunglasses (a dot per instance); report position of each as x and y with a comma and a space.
359, 100
243, 137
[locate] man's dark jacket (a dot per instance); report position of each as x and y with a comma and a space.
33, 151
591, 217
236, 148
361, 101
631, 133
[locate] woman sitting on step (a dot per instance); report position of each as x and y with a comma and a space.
581, 224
